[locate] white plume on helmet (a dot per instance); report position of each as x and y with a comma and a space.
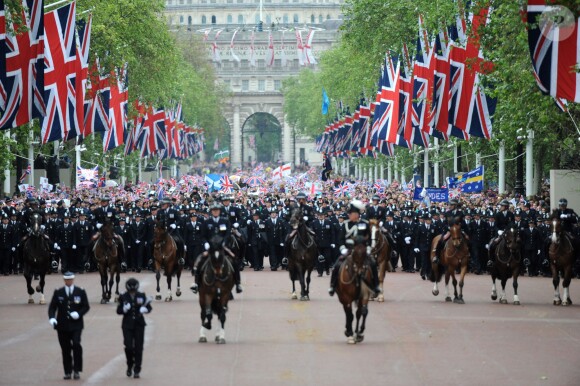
358, 205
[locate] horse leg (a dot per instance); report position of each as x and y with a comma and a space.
178, 289
202, 337
502, 298
117, 280
308, 273
303, 293
158, 289
515, 285
293, 279
220, 337
456, 298
461, 282
493, 288
169, 296
349, 319
40, 288
447, 277
110, 286
103, 273
382, 270
556, 283
566, 301
208, 317
28, 277
364, 310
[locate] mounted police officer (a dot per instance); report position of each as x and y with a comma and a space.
568, 218
307, 210
503, 219
353, 228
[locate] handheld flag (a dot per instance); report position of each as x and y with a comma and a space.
325, 102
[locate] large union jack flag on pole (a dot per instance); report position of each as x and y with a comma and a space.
83, 42
22, 81
117, 116
60, 56
97, 101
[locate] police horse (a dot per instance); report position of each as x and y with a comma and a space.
507, 257
381, 251
455, 255
36, 258
168, 254
354, 286
302, 254
217, 281
108, 252
562, 256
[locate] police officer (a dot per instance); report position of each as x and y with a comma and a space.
307, 210
124, 231
133, 305
353, 228
408, 229
138, 230
503, 218
65, 313
83, 232
7, 244
532, 245
65, 243
104, 213
324, 237
424, 235
374, 210
479, 237
276, 230
194, 237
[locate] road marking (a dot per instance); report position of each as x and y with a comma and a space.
25, 336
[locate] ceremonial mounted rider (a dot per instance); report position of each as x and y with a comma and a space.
307, 210
376, 211
352, 229
104, 213
568, 218
503, 219
232, 213
452, 216
215, 225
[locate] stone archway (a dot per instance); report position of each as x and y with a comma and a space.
261, 139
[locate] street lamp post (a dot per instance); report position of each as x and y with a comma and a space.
519, 185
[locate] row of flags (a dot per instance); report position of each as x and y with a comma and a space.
303, 48
438, 93
45, 74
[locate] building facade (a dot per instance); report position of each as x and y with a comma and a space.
254, 49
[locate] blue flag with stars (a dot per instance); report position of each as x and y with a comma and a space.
472, 181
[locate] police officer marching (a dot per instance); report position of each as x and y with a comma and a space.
133, 305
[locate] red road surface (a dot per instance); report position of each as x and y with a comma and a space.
413, 338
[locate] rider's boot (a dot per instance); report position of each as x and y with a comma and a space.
194, 287
490, 259
438, 250
375, 273
334, 277
237, 279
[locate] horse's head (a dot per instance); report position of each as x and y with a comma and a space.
555, 229
359, 251
36, 221
216, 245
296, 218
159, 231
512, 239
374, 225
107, 234
456, 234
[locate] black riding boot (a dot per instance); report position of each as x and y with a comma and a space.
197, 277
438, 250
376, 287
334, 277
490, 259
237, 278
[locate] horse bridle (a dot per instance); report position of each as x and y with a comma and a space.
512, 251
376, 249
223, 278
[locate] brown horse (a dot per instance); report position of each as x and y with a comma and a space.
166, 255
302, 255
217, 273
354, 281
36, 258
455, 254
562, 257
507, 256
108, 251
381, 251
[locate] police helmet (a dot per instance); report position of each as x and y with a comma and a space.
300, 196
132, 284
504, 202
215, 205
356, 206
563, 202
453, 202
376, 197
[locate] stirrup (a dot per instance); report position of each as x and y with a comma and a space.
490, 263
331, 291
285, 261
194, 288
181, 261
239, 289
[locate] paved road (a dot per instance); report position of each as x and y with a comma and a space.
413, 338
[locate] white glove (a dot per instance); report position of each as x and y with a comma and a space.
137, 241
343, 250
74, 247
42, 227
52, 322
281, 244
408, 240
249, 222
381, 224
13, 249
206, 246
563, 215
486, 246
75, 315
126, 307
416, 250
539, 251
185, 248
305, 218
500, 232
332, 245
143, 310
99, 226
236, 225
55, 246
173, 226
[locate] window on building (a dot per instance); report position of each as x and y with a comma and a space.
212, 1
230, 19
261, 63
294, 1
244, 63
213, 19
257, 18
296, 19
277, 85
227, 84
328, 17
268, 19
203, 19
181, 19
181, 2
320, 19
189, 20
278, 63
230, 1
240, 19
245, 85
285, 18
312, 19
261, 85
240, 1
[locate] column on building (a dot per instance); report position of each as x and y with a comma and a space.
236, 140
287, 142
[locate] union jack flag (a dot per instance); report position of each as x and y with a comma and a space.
554, 49
2, 55
226, 184
103, 180
386, 120
22, 78
60, 67
137, 124
26, 173
83, 42
270, 58
117, 116
405, 131
151, 138
342, 189
97, 102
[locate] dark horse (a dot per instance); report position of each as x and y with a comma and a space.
302, 254
381, 251
217, 281
169, 255
507, 257
455, 254
36, 258
562, 257
354, 281
237, 244
109, 251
